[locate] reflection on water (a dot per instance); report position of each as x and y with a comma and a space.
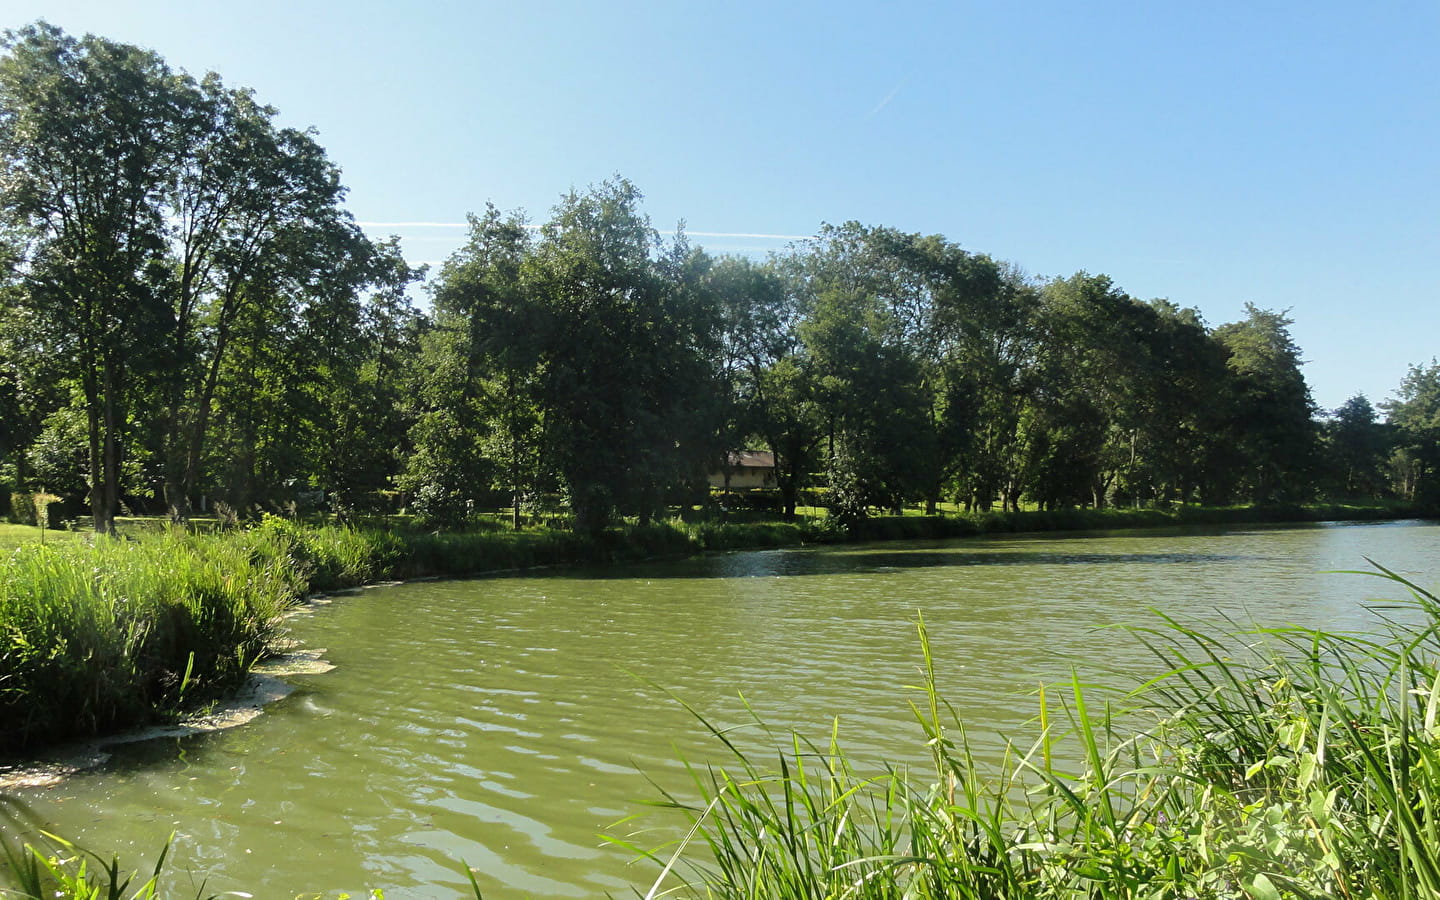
508, 722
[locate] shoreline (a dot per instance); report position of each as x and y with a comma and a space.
327, 560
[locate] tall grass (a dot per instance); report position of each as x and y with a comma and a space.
99, 636
1306, 767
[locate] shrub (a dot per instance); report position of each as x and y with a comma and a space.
22, 508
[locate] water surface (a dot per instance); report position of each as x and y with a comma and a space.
508, 722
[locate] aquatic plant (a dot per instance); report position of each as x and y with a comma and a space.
100, 635
1307, 765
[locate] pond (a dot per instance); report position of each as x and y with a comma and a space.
509, 722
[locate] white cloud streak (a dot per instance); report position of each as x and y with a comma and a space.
888, 97
715, 234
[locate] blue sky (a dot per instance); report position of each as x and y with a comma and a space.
1279, 153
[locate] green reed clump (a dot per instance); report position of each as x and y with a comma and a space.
713, 536
1307, 766
111, 634
329, 557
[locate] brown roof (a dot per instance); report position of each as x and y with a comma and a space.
750, 459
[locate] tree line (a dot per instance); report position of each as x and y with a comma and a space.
190, 314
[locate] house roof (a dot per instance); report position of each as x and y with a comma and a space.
750, 459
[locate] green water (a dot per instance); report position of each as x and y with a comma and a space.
509, 722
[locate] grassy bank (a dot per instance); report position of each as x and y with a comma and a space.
105, 636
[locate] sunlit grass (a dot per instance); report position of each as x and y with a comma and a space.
12, 536
111, 633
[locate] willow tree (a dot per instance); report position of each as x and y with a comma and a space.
627, 350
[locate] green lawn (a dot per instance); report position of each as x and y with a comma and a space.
12, 536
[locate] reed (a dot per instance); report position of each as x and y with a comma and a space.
1306, 766
114, 633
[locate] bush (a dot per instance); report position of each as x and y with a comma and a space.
22, 508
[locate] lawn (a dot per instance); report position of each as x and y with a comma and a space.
12, 536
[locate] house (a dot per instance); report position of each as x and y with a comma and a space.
745, 470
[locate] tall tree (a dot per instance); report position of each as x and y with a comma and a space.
89, 134
1414, 414
626, 358
1272, 429
1356, 448
762, 362
479, 385
255, 212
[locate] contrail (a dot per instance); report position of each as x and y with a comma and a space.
413, 224
888, 97
716, 234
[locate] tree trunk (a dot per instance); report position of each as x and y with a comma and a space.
203, 406
110, 451
97, 468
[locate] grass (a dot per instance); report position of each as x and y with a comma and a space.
12, 536
104, 635
1309, 768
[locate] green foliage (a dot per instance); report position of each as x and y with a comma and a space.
22, 508
94, 637
61, 869
1271, 431
626, 346
173, 231
1414, 414
1356, 449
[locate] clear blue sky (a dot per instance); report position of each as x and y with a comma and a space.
1287, 154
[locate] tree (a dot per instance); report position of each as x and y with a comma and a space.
875, 347
162, 217
1271, 428
627, 352
480, 380
1357, 445
770, 393
1414, 414
89, 135
255, 213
